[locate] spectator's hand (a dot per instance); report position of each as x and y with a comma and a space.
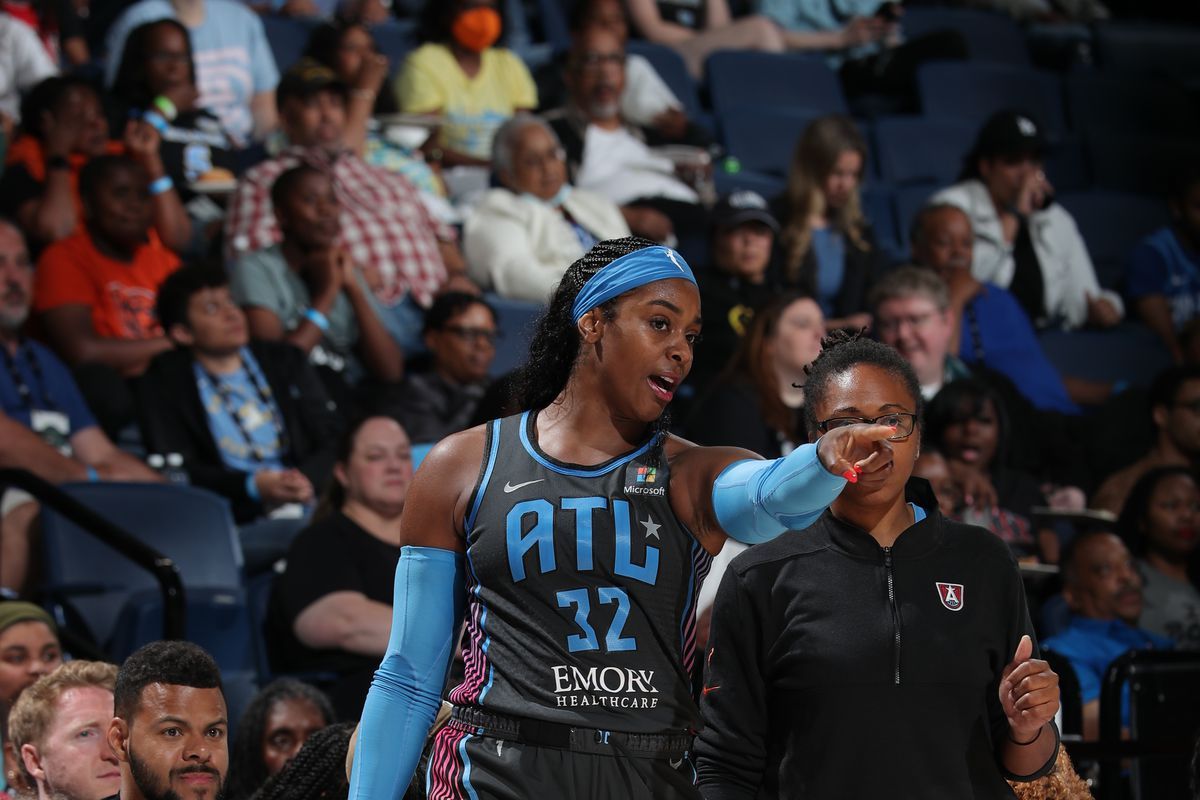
346, 269
300, 8
324, 270
142, 142
856, 450
1101, 312
277, 487
650, 223
977, 489
372, 73
459, 282
863, 30
1064, 498
1035, 193
672, 123
297, 486
1028, 693
58, 135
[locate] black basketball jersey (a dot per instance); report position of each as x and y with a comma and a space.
582, 589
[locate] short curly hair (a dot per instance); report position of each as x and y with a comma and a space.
172, 663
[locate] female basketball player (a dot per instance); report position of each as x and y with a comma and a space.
577, 534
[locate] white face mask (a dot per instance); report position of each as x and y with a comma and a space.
556, 201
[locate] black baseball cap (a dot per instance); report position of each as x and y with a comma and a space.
737, 208
1010, 134
305, 78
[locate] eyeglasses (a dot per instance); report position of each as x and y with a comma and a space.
536, 160
891, 324
592, 62
902, 422
473, 334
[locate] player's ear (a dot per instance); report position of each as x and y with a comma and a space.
591, 326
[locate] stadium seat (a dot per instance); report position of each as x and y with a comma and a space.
972, 92
1111, 224
769, 186
1128, 352
396, 39
516, 319
552, 19
287, 36
1152, 50
671, 68
990, 37
764, 139
878, 205
1139, 164
920, 149
1116, 105
738, 80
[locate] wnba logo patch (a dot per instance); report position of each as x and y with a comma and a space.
646, 474
951, 595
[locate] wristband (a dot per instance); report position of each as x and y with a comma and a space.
160, 185
317, 318
252, 488
1025, 744
92, 475
155, 120
167, 108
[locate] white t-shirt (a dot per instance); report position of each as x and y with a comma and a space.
646, 95
620, 167
23, 64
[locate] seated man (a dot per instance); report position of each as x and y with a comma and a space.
45, 424
1175, 411
59, 729
1104, 592
521, 236
990, 326
611, 158
409, 256
251, 419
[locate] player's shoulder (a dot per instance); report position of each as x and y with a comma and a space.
458, 455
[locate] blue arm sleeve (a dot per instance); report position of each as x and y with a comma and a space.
406, 692
755, 501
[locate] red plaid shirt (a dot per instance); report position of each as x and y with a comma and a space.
384, 222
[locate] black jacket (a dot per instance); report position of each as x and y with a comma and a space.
819, 686
173, 420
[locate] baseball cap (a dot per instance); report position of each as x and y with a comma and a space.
743, 206
1010, 133
306, 77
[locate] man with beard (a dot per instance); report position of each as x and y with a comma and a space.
171, 728
1104, 592
57, 728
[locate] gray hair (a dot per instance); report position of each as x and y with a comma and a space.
910, 281
916, 231
504, 144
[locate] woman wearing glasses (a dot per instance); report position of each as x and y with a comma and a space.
881, 643
460, 332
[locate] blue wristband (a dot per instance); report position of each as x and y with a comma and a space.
317, 318
92, 475
252, 488
155, 120
160, 185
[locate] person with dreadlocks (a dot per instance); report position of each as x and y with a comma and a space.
883, 642
318, 771
280, 718
577, 532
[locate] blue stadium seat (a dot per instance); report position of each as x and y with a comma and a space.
878, 205
920, 149
1158, 51
1128, 352
1117, 105
516, 321
396, 39
990, 37
769, 186
972, 92
1111, 224
738, 80
552, 18
119, 602
288, 37
909, 200
764, 139
671, 68
1139, 164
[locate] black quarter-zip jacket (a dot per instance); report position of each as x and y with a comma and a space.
841, 669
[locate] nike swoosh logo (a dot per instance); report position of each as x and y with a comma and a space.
509, 488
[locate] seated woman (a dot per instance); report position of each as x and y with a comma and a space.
1158, 523
699, 29
757, 404
156, 82
331, 610
460, 332
95, 290
459, 75
308, 291
827, 249
521, 237
280, 718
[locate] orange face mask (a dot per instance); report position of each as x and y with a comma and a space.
477, 29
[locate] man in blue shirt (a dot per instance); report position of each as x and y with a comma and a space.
45, 425
1104, 592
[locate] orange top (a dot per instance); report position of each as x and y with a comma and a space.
28, 152
121, 295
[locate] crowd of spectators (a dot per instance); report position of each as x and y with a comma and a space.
292, 277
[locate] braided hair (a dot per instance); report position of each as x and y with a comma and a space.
843, 350
318, 772
247, 772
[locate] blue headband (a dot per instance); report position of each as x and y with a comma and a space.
629, 272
